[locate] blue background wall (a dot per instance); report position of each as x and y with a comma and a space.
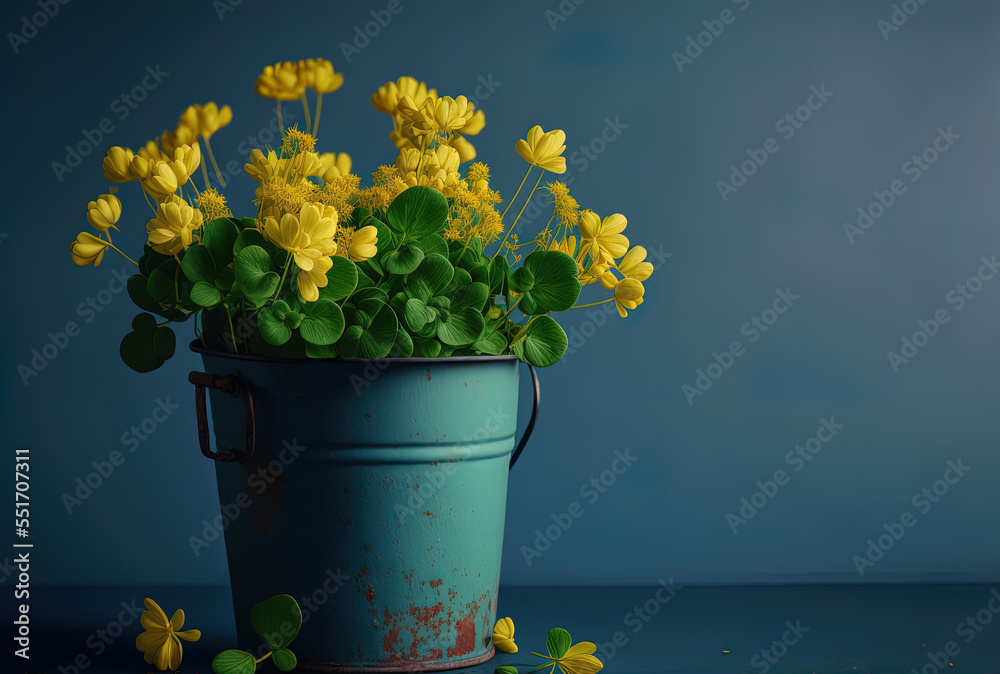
620, 390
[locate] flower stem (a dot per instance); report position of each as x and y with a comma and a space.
305, 106
281, 127
526, 202
319, 108
236, 348
204, 173
123, 254
511, 308
288, 263
521, 331
215, 165
263, 657
593, 304
514, 198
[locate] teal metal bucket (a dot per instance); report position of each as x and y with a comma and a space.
373, 492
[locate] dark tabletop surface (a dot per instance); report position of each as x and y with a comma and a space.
828, 629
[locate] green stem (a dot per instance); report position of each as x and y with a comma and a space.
511, 308
526, 202
263, 657
514, 198
281, 127
288, 263
111, 245
177, 274
593, 304
232, 332
520, 332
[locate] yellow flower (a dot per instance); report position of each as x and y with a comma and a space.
503, 635
566, 245
161, 181
260, 167
184, 134
307, 164
152, 152
603, 238
308, 236
160, 643
334, 164
363, 244
186, 161
172, 230
296, 141
628, 295
543, 149
142, 167
104, 212
386, 99
87, 249
441, 115
280, 81
213, 205
311, 280
118, 165
633, 265
211, 118
318, 75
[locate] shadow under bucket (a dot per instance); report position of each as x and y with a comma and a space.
373, 492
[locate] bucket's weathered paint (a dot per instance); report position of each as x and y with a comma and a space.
375, 496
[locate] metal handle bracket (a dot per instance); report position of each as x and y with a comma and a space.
235, 387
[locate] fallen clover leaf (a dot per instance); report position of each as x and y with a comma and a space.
578, 659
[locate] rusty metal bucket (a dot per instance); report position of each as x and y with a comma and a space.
373, 492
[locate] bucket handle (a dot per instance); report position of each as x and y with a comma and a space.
234, 386
536, 397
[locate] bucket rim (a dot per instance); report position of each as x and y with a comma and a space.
196, 346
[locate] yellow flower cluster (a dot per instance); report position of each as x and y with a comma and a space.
421, 119
386, 184
603, 255
288, 81
473, 208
